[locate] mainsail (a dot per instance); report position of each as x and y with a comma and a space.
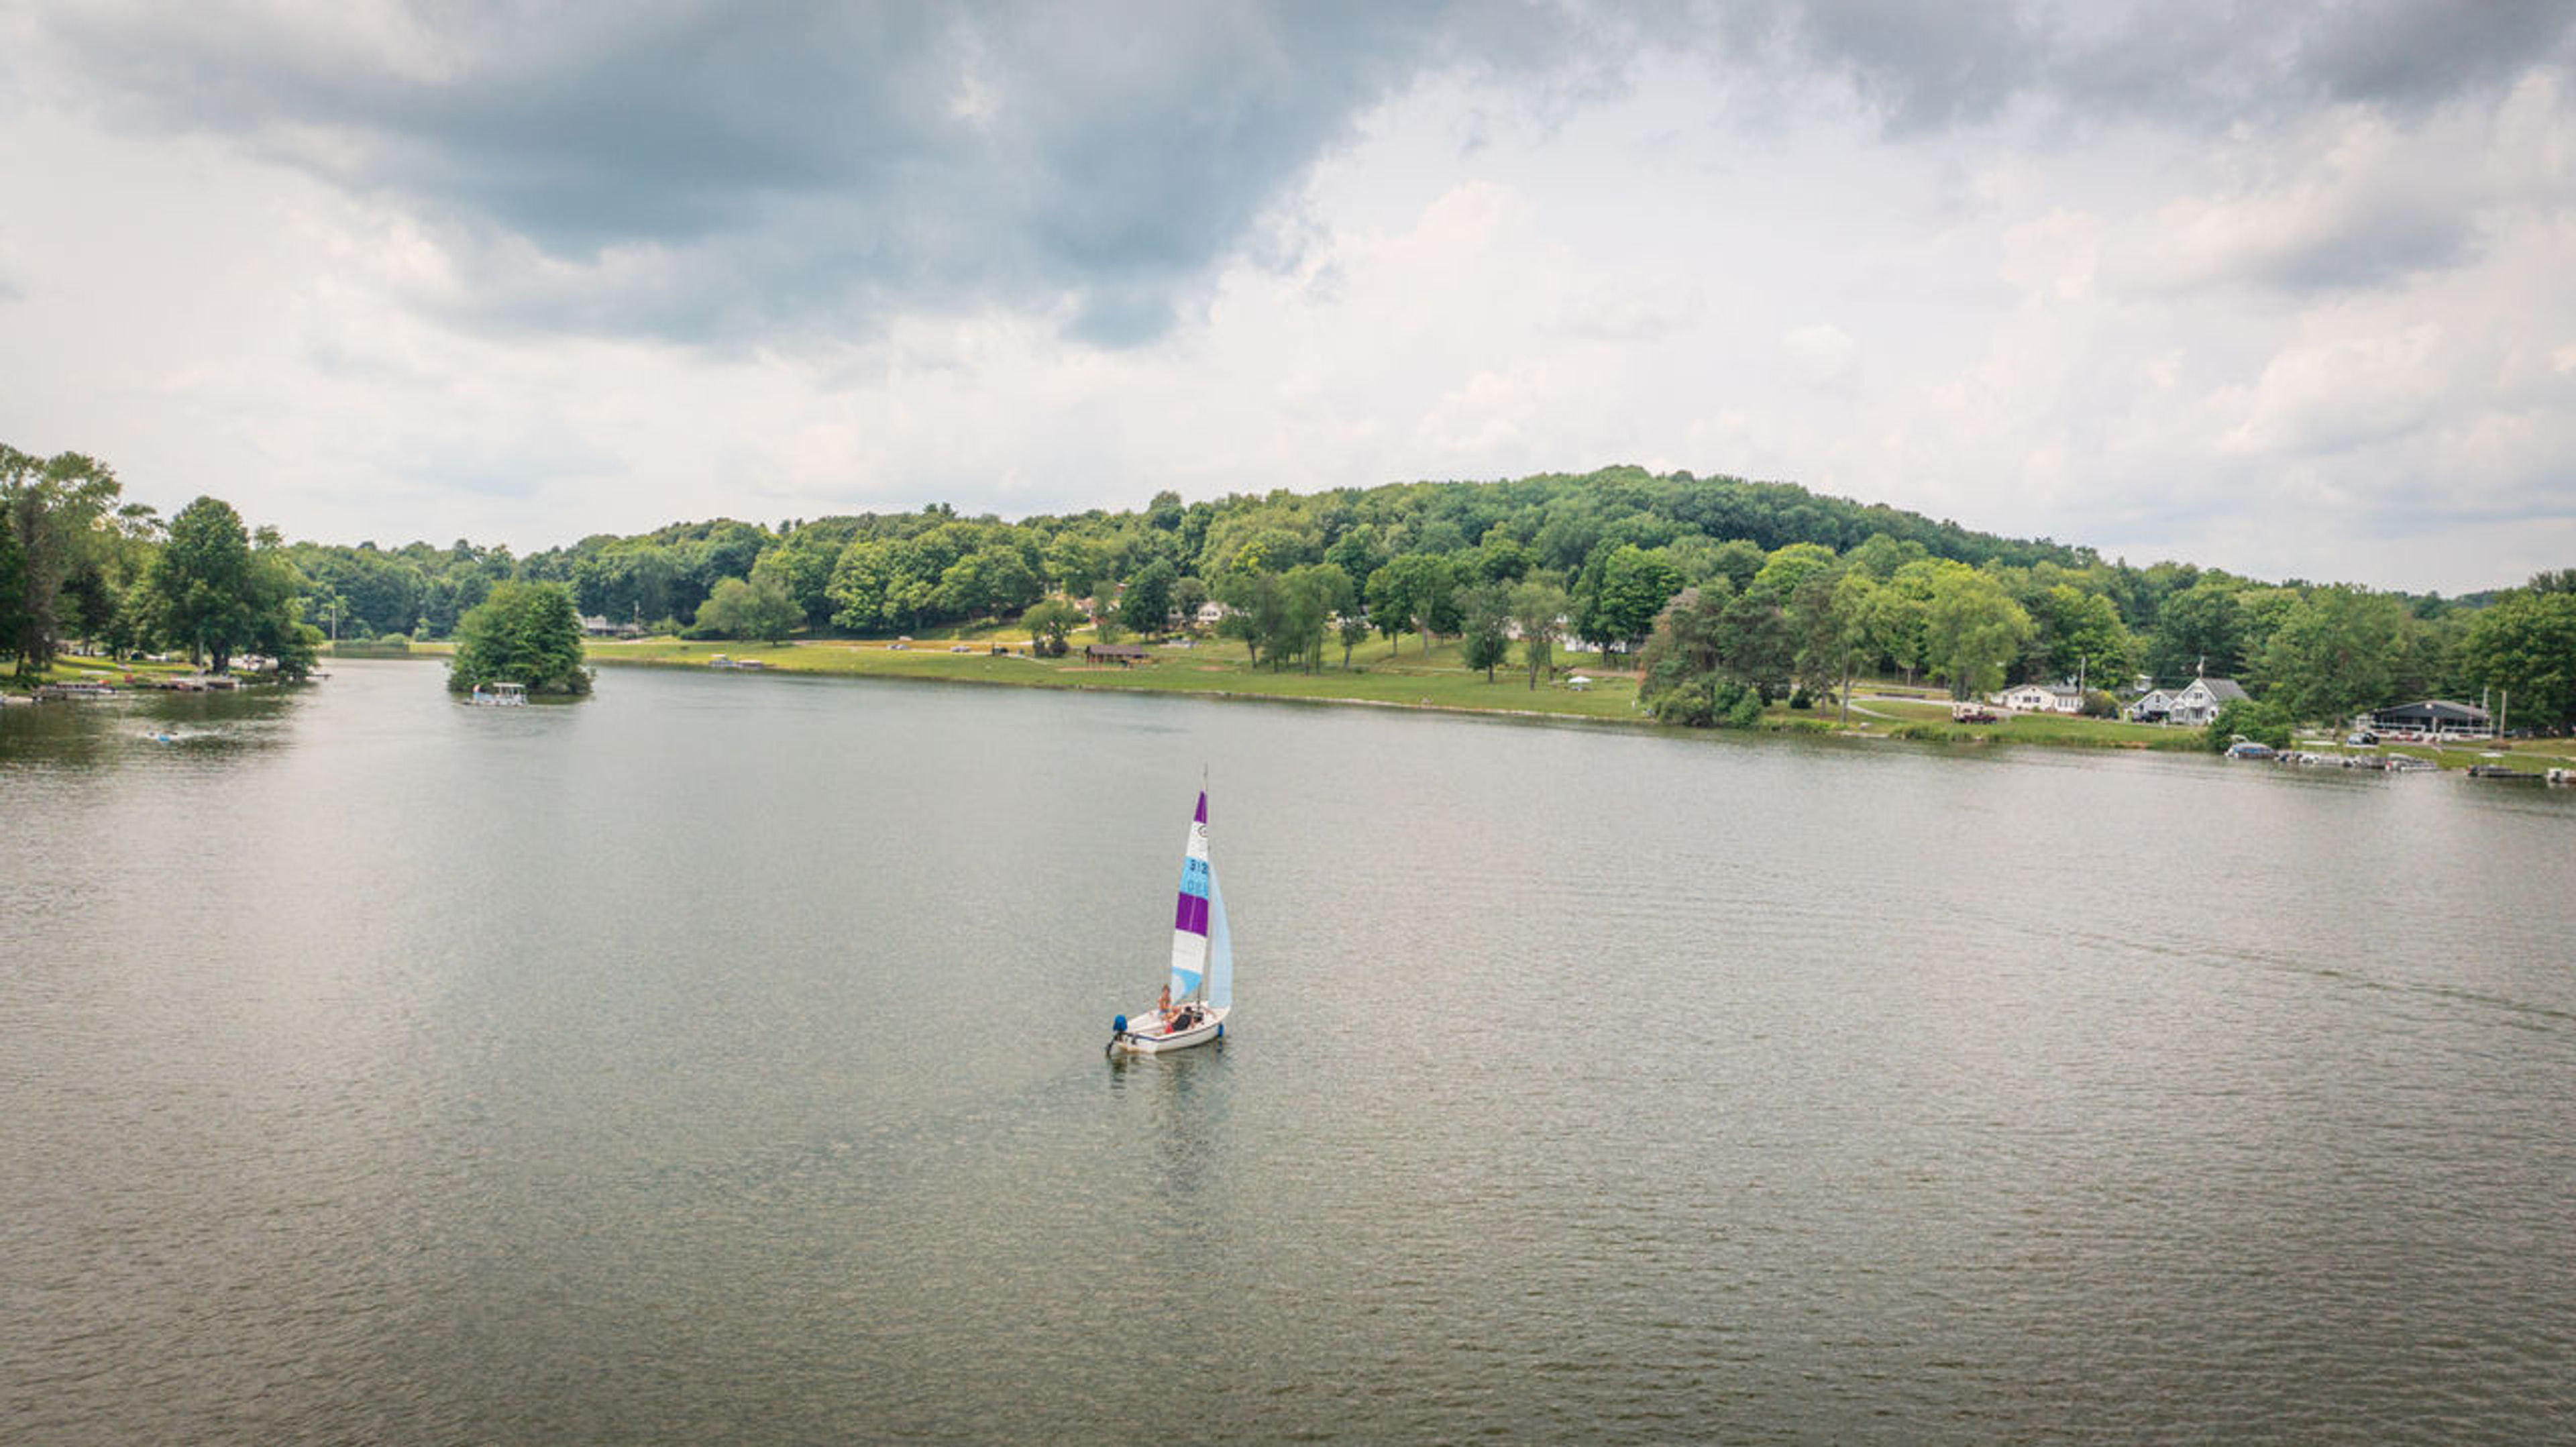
1190, 921
1220, 975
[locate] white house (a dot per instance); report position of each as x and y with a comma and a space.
2153, 706
2042, 698
2198, 701
1211, 613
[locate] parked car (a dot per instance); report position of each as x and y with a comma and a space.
2363, 737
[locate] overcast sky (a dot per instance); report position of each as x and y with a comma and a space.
2288, 289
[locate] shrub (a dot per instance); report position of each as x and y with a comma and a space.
2264, 723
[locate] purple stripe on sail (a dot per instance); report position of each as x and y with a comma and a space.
1193, 915
1202, 806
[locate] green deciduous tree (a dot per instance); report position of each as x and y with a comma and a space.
1189, 595
1310, 594
1252, 603
1713, 657
201, 583
1538, 607
274, 590
59, 518
1848, 631
1971, 629
1689, 669
1789, 568
2524, 646
992, 580
801, 564
1621, 591
2337, 651
759, 607
2199, 630
1416, 589
1048, 622
526, 633
881, 585
2245, 718
1147, 603
1485, 635
1353, 630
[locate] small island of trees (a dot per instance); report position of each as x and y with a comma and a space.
524, 633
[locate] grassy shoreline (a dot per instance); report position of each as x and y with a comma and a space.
1382, 674
1398, 674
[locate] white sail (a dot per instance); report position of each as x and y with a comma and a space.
1220, 972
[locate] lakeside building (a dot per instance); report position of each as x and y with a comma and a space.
2437, 718
2193, 704
2042, 698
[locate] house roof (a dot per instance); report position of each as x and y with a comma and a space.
2434, 710
2223, 689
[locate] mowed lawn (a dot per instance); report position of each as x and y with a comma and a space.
1391, 674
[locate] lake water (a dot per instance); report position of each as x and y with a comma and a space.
720, 1060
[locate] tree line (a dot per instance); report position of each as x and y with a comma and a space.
79, 564
1722, 589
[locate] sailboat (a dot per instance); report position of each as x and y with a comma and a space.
1200, 993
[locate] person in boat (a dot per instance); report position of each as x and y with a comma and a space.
1163, 1006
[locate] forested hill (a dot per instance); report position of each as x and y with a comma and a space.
1549, 523
1562, 517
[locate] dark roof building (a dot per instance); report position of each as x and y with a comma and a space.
2434, 715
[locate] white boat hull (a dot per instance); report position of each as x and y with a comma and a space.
1146, 1036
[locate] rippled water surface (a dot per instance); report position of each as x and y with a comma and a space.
720, 1060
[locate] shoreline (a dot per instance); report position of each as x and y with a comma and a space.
1383, 676
1910, 715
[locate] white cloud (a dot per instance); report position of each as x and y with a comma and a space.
2339, 394
2326, 338
1821, 356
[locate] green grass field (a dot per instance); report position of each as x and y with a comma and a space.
1379, 673
73, 668
1932, 720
